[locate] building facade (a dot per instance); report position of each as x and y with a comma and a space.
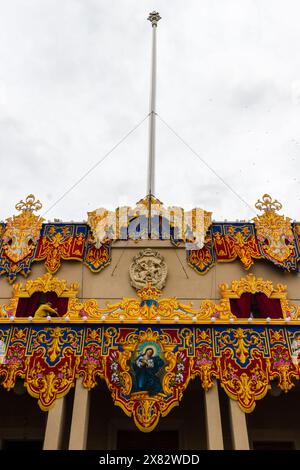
118, 334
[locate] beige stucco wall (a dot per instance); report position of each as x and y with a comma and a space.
183, 282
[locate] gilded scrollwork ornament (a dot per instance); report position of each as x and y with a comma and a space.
274, 231
148, 307
23, 231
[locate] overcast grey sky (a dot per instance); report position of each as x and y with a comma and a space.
75, 77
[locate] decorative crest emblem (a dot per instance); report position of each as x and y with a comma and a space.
274, 231
30, 204
22, 231
148, 267
268, 204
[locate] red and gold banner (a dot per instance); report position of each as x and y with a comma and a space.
147, 369
61, 241
233, 241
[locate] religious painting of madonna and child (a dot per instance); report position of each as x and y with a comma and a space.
147, 368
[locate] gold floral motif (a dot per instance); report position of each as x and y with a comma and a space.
276, 336
149, 307
146, 414
168, 380
285, 382
46, 283
14, 366
56, 341
243, 248
245, 387
47, 385
88, 380
274, 231
78, 310
205, 377
9, 309
253, 284
201, 259
205, 370
22, 231
241, 344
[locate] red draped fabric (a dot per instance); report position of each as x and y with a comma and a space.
61, 303
27, 307
268, 307
241, 307
258, 304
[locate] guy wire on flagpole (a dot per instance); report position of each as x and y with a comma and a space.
95, 165
205, 163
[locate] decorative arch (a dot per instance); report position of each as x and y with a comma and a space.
148, 308
253, 285
45, 284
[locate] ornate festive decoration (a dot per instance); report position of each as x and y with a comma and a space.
148, 368
253, 284
203, 363
148, 267
61, 241
233, 241
46, 384
296, 233
202, 260
23, 230
132, 375
148, 307
91, 363
97, 258
272, 237
46, 283
281, 367
19, 238
274, 233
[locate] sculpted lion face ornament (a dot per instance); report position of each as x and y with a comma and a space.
22, 231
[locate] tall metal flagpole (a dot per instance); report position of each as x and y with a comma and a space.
153, 18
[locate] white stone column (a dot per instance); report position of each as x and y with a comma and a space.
239, 431
80, 418
213, 419
54, 426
